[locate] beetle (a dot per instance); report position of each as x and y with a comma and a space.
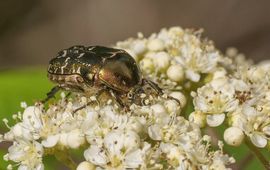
95, 69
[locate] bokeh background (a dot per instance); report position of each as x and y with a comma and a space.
33, 31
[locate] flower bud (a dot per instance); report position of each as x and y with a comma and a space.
175, 73
147, 64
86, 166
233, 136
155, 45
139, 47
162, 60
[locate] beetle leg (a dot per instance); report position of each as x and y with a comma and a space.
99, 93
91, 102
69, 93
82, 107
172, 98
51, 94
118, 99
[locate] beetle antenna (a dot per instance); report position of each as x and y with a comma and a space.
153, 86
158, 90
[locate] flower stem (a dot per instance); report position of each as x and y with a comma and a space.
259, 155
242, 164
64, 157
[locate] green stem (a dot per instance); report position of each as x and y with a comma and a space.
64, 157
259, 155
245, 161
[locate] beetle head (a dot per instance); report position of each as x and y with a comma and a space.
138, 95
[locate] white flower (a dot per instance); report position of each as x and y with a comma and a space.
197, 157
175, 155
96, 155
254, 123
197, 61
215, 100
180, 132
120, 149
27, 154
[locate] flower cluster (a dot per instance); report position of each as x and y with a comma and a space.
147, 137
174, 55
162, 134
222, 87
240, 94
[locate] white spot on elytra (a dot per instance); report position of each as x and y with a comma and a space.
82, 54
62, 68
90, 48
78, 70
68, 58
64, 53
55, 70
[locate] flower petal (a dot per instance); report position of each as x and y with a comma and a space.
258, 140
95, 155
31, 117
155, 132
266, 130
193, 76
75, 138
215, 119
51, 141
133, 159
